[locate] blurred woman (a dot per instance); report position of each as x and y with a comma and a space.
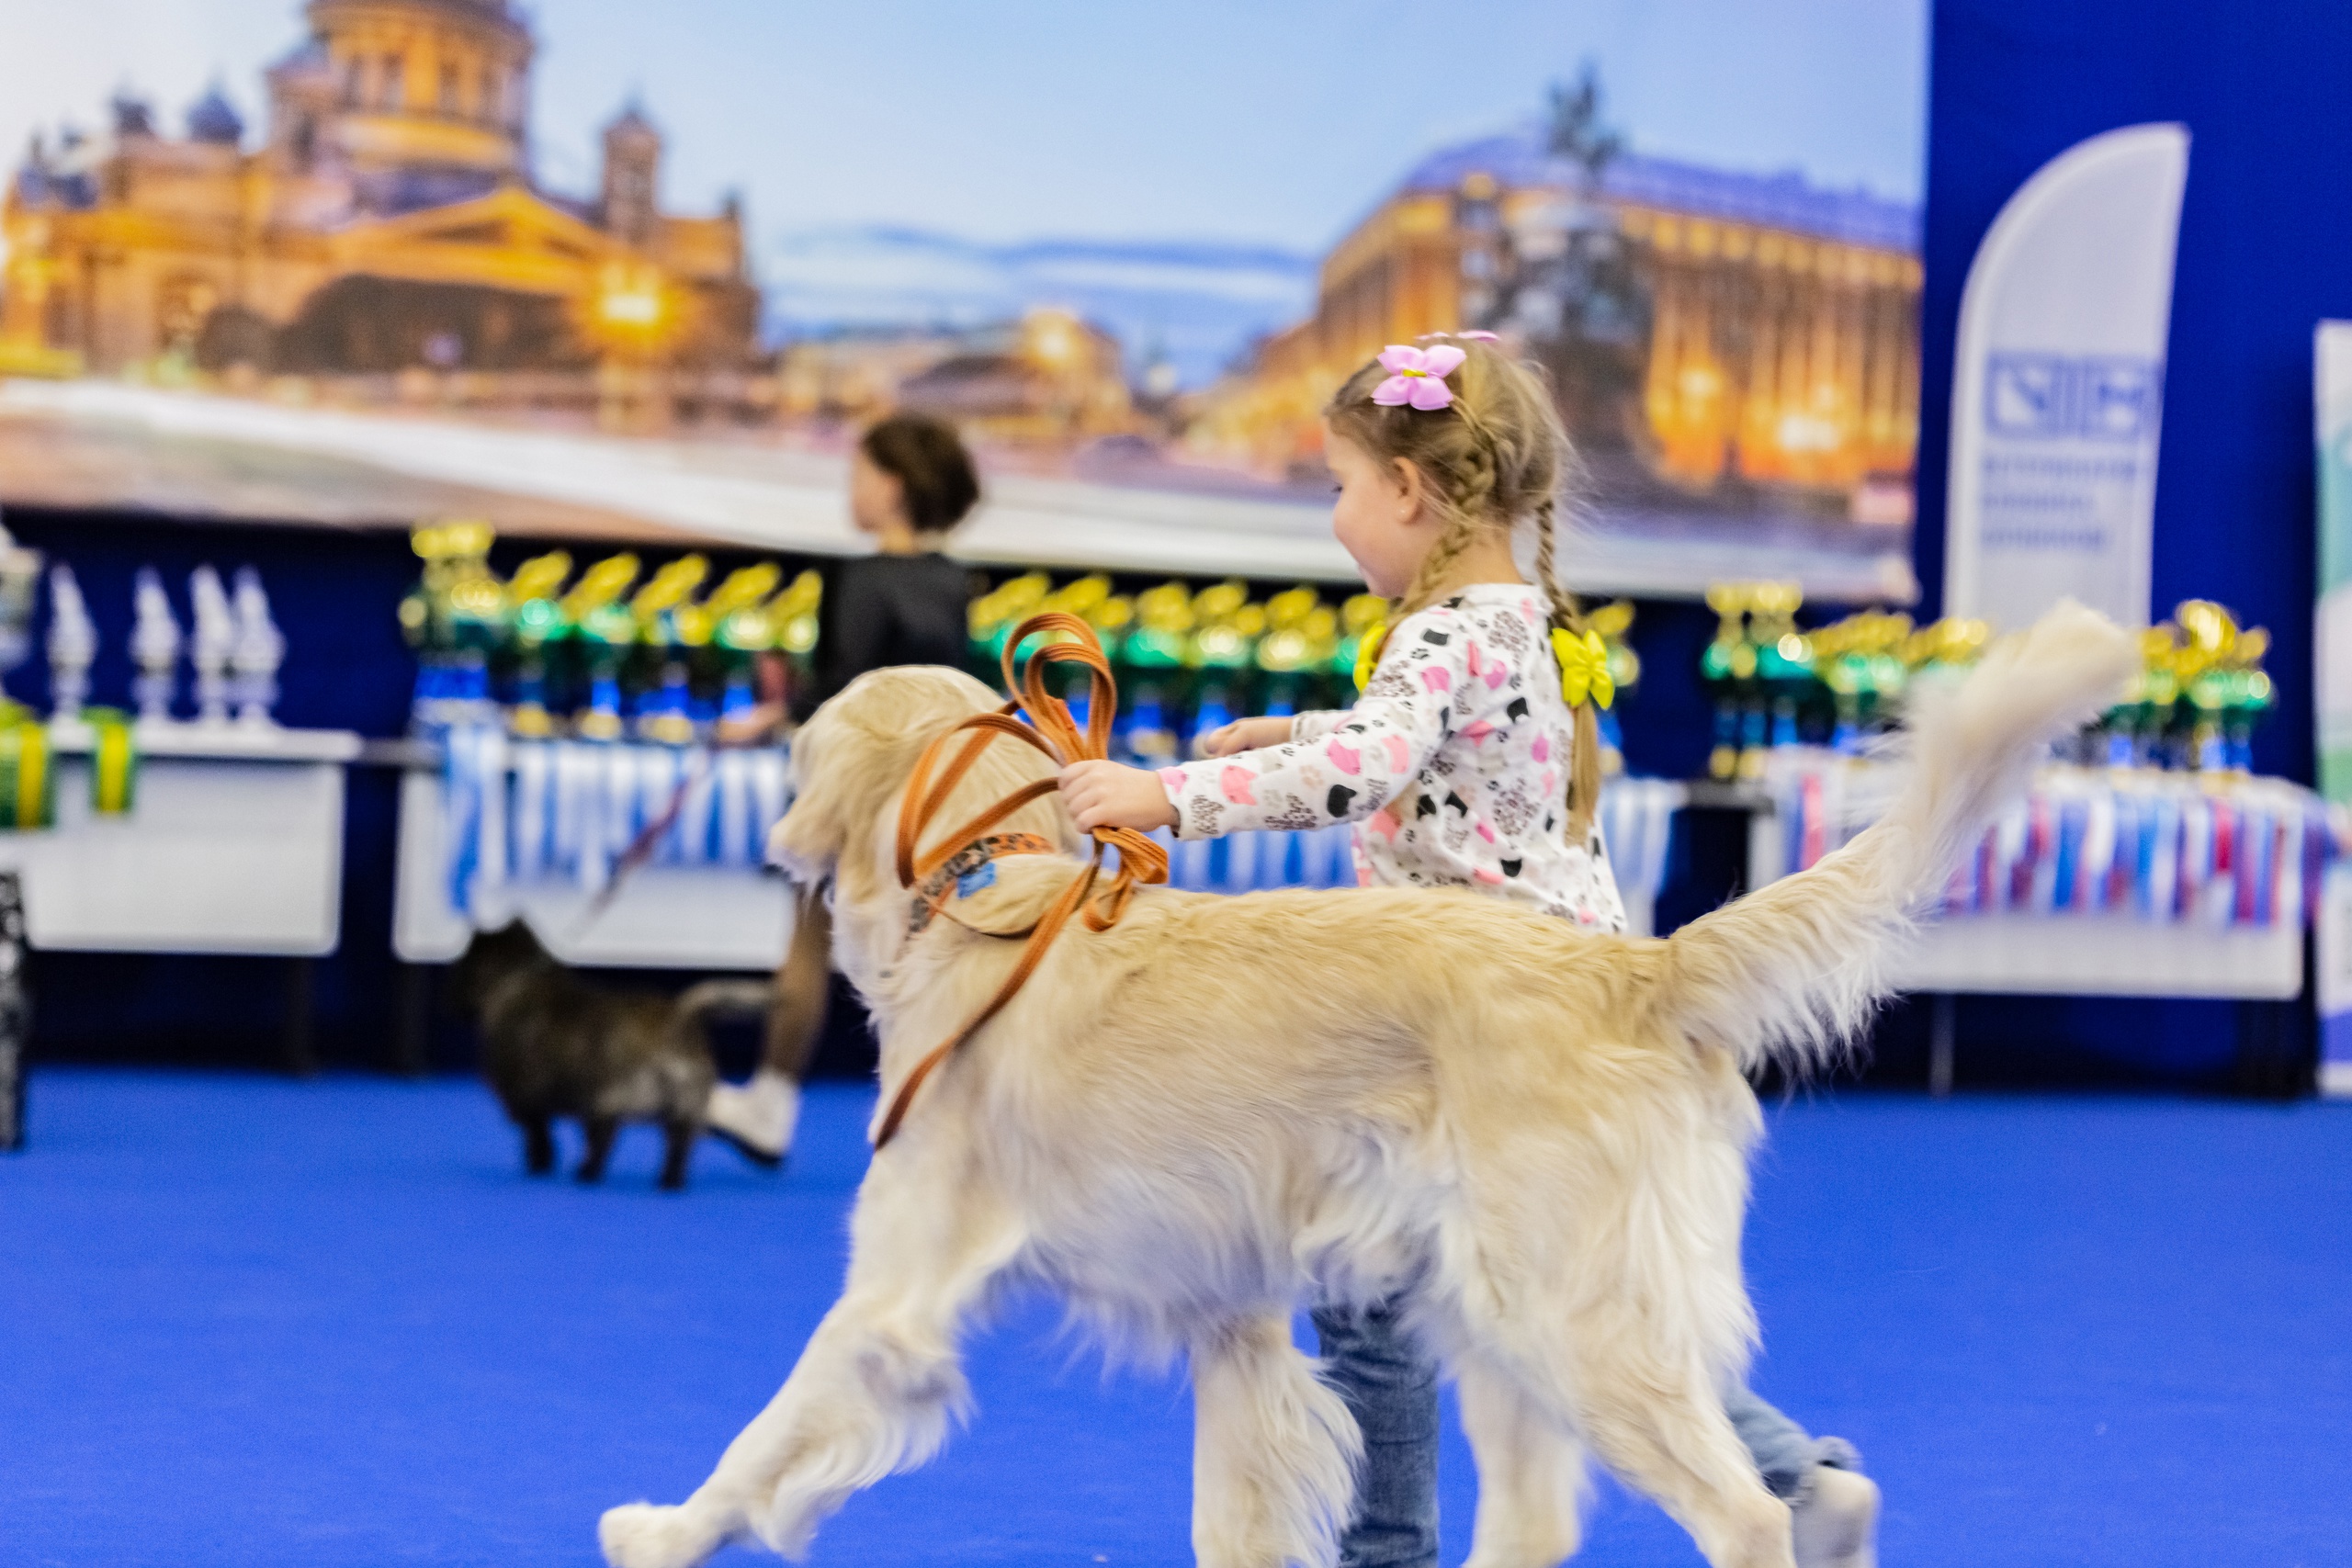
911, 482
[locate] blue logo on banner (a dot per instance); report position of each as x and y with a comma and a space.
2052, 397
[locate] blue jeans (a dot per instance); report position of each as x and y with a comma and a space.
1391, 1389
1785, 1452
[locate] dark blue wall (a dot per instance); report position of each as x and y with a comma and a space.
2265, 253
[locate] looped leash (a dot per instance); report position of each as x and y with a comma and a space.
1052, 731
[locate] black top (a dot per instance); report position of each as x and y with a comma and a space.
884, 610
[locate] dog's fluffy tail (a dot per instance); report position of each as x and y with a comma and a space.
1790, 972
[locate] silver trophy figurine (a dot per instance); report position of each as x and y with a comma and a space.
216, 637
259, 649
20, 576
72, 644
154, 646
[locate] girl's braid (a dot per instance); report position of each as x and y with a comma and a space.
1584, 762
1460, 533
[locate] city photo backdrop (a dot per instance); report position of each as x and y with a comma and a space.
605, 267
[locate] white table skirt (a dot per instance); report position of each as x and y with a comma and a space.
2085, 953
706, 917
234, 845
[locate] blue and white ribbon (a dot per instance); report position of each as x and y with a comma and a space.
537, 811
2214, 851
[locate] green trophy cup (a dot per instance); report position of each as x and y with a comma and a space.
535, 619
602, 631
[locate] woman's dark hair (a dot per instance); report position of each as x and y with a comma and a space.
934, 473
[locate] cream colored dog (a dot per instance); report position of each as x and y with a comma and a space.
1189, 1125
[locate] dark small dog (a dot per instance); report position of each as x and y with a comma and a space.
554, 1045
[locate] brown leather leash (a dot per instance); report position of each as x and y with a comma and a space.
1051, 731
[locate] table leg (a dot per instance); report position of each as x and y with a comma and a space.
412, 1022
298, 1052
1943, 1009
15, 1012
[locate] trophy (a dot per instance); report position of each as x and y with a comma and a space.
1151, 666
1784, 668
1613, 621
215, 640
19, 576
729, 628
72, 644
602, 631
533, 619
991, 617
663, 701
155, 648
1287, 652
1728, 669
455, 617
257, 651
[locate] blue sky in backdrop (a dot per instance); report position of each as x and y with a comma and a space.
898, 159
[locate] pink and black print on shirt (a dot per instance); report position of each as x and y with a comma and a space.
1452, 765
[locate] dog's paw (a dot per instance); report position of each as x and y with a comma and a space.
645, 1535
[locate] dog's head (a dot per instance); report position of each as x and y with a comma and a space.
849, 765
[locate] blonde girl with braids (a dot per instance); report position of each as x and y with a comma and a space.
1464, 764
1472, 760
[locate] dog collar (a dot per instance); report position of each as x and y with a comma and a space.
957, 876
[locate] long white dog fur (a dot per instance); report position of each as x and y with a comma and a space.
1223, 1107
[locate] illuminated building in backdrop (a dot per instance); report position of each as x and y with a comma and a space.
389, 221
1770, 327
1046, 377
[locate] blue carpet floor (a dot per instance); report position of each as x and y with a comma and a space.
251, 1321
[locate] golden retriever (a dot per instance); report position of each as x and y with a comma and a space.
1186, 1126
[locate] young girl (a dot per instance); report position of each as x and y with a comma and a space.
911, 482
1471, 760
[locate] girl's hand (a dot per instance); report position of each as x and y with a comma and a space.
1109, 794
1242, 735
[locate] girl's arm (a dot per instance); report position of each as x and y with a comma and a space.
1243, 735
1318, 723
1351, 771
1249, 734
1109, 795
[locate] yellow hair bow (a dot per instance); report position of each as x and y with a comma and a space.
1375, 638
1584, 668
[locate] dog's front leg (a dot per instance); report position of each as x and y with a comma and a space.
1274, 1452
879, 1380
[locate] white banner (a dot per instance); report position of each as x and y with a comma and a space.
2058, 386
2332, 690
2332, 662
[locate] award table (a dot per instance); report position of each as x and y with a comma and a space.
2126, 885
461, 871
234, 844
494, 829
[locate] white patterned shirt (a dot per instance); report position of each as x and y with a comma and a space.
1453, 766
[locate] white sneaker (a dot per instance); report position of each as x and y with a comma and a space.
1837, 1521
757, 1118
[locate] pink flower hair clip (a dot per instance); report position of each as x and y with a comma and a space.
1416, 376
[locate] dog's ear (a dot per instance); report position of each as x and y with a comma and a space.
850, 760
807, 840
